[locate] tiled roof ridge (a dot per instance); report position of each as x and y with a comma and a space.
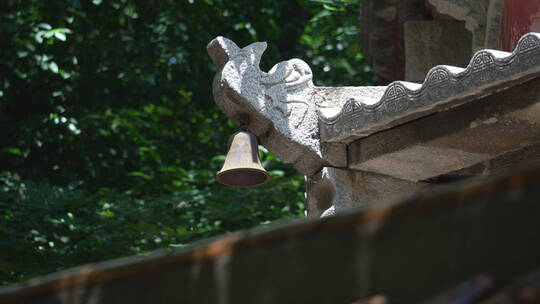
486, 70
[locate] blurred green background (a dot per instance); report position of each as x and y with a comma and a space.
110, 137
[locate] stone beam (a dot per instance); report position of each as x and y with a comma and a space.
475, 138
527, 156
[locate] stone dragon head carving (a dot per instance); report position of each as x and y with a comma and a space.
278, 106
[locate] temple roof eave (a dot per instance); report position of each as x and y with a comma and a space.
444, 87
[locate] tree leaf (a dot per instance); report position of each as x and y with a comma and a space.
53, 67
60, 36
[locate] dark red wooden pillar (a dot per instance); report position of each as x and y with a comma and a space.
519, 18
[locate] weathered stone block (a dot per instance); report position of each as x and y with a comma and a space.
340, 189
472, 12
431, 43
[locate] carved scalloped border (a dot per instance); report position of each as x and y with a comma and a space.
486, 69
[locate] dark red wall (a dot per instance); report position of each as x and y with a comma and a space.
519, 18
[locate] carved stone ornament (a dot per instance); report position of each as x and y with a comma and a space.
295, 119
278, 106
444, 87
281, 106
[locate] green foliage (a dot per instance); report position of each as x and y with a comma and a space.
331, 41
111, 139
48, 228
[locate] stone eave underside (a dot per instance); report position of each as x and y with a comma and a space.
444, 87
